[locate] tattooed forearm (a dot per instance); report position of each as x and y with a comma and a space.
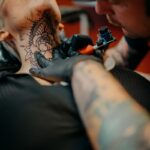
114, 121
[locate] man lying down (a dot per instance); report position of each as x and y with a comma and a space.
35, 114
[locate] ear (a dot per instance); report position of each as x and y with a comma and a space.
60, 26
4, 35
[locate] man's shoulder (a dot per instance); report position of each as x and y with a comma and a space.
25, 83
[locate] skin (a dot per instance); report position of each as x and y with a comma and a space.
130, 15
96, 99
113, 119
119, 53
34, 28
136, 25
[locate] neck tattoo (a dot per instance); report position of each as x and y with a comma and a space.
42, 37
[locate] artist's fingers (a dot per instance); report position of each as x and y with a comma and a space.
41, 60
42, 73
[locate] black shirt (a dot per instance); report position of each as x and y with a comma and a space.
38, 117
46, 117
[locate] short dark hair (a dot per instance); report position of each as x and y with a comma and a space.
148, 7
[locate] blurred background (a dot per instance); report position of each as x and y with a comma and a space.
79, 16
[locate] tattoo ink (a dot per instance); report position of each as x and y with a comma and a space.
123, 128
42, 36
112, 119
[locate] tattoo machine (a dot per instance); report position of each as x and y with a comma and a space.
104, 39
83, 45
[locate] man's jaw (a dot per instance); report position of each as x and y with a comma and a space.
117, 24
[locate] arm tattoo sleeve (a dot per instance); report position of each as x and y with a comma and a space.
113, 120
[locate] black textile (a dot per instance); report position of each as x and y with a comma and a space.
136, 85
38, 117
42, 117
7, 60
138, 50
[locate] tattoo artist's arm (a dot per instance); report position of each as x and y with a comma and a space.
113, 120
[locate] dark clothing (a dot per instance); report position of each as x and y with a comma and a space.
35, 117
138, 50
136, 85
7, 60
38, 117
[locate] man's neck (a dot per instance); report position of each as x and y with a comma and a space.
42, 36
